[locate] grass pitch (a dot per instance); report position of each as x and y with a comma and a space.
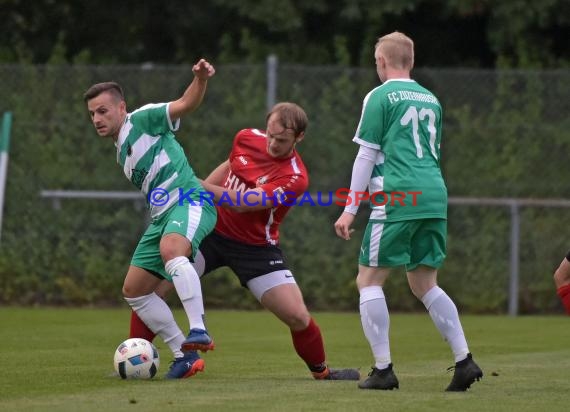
61, 359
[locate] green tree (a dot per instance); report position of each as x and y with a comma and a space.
473, 33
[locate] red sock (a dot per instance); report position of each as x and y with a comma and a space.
309, 346
139, 329
564, 294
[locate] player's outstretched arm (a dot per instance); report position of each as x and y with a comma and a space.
247, 201
194, 94
219, 174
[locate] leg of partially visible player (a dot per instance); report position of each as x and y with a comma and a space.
286, 302
278, 292
562, 282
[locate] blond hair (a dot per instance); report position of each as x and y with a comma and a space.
398, 50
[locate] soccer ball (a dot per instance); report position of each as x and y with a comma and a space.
136, 358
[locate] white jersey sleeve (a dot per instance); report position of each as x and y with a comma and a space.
361, 172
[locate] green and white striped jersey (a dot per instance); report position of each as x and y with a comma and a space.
153, 160
403, 121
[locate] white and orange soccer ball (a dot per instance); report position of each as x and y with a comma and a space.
136, 358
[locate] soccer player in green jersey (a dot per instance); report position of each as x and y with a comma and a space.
399, 134
155, 163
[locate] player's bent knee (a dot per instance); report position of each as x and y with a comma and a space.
297, 320
174, 245
298, 323
130, 292
168, 254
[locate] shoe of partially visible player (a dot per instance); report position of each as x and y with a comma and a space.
188, 365
198, 339
384, 379
337, 374
466, 372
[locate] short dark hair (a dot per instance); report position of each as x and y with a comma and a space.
291, 116
99, 88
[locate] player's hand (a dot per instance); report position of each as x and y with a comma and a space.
342, 225
203, 70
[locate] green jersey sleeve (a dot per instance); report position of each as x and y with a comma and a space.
154, 119
370, 128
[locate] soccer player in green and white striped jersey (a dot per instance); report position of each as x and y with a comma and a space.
399, 134
155, 163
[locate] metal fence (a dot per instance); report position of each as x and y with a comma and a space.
505, 160
514, 206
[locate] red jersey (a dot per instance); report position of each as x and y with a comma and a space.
282, 179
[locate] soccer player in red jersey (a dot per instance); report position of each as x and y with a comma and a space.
253, 191
562, 282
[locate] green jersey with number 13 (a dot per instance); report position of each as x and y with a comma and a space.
403, 121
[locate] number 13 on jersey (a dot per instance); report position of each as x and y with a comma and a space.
412, 115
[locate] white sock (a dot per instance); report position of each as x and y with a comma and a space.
446, 318
187, 284
156, 314
376, 323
